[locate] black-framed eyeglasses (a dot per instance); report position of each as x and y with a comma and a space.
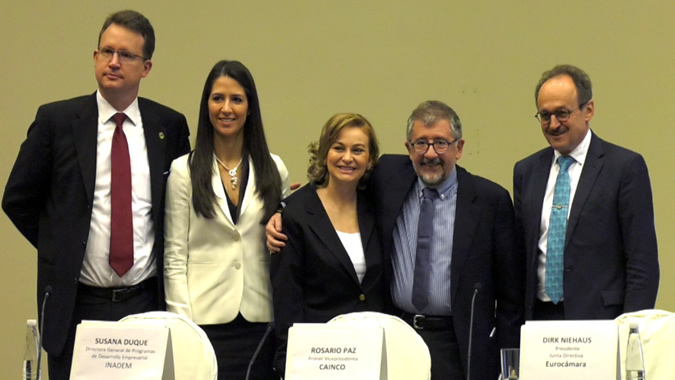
562, 114
123, 55
440, 146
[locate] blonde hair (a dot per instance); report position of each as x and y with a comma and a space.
317, 171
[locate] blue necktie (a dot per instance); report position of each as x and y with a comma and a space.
556, 231
425, 232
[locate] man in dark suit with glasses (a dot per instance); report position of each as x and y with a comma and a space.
87, 190
584, 212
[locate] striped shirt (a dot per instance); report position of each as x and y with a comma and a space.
405, 245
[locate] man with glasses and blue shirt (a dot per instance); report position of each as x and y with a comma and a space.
584, 213
87, 190
448, 236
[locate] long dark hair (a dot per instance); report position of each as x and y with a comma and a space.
267, 181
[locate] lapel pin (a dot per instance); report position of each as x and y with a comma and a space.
161, 135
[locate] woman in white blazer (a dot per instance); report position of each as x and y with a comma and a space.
218, 196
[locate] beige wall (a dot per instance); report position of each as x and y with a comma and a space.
381, 58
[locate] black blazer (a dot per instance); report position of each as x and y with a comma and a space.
49, 195
483, 252
313, 278
611, 256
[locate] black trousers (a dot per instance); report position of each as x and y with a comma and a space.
548, 311
446, 362
97, 307
236, 342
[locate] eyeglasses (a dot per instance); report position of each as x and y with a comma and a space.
440, 146
561, 114
123, 55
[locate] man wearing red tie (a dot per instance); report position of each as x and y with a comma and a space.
87, 190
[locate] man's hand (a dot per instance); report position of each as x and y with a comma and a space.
275, 239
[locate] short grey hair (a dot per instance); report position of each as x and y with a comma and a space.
432, 111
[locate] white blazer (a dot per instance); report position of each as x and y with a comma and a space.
214, 269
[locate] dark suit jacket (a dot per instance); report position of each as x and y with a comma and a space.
610, 257
313, 278
483, 252
49, 195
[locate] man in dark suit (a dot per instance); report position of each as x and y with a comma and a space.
61, 192
607, 259
472, 249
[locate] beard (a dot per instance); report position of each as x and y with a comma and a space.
432, 179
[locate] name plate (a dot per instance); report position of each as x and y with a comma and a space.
566, 350
320, 351
111, 350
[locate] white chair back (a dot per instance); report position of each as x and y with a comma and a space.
407, 354
657, 333
193, 355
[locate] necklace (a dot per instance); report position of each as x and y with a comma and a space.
232, 172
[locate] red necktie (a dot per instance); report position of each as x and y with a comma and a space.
121, 223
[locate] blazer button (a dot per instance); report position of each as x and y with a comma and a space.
362, 297
237, 266
235, 237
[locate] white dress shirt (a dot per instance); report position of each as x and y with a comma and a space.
579, 155
96, 270
354, 247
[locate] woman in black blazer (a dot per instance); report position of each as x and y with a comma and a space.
332, 262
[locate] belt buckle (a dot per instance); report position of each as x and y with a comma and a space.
418, 317
118, 295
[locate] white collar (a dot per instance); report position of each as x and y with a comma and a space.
106, 111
